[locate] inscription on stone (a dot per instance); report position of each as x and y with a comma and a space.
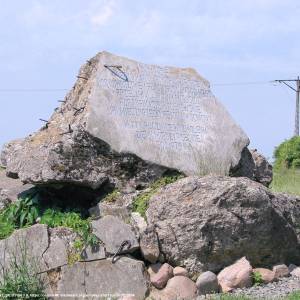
164, 115
165, 111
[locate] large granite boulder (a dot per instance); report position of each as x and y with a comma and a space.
126, 122
207, 223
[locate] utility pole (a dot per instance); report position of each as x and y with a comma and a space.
297, 90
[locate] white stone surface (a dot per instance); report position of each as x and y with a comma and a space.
165, 115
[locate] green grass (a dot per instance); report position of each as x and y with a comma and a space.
112, 197
257, 278
231, 297
294, 296
286, 181
6, 227
55, 218
21, 279
140, 203
26, 211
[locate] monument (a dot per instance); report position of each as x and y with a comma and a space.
167, 117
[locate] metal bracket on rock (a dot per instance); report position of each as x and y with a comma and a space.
68, 132
47, 123
82, 77
78, 110
124, 243
121, 73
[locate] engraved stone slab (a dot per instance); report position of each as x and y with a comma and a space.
126, 122
165, 115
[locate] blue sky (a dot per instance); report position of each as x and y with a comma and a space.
43, 44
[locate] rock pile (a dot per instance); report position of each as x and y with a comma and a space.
196, 228
123, 126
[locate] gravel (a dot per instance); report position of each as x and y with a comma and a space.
275, 290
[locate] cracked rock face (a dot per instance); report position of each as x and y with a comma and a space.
126, 276
207, 223
125, 121
46, 251
31, 243
43, 248
112, 231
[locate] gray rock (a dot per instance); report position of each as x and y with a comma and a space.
61, 240
292, 267
91, 253
207, 283
56, 255
138, 221
148, 239
154, 268
281, 271
149, 245
254, 166
121, 207
11, 189
245, 167
123, 124
263, 170
295, 272
112, 232
289, 207
27, 244
214, 223
126, 276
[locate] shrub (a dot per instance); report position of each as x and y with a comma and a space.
54, 218
26, 210
21, 279
296, 163
112, 197
287, 154
140, 203
6, 227
257, 278
23, 212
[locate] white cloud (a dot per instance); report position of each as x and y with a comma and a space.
103, 16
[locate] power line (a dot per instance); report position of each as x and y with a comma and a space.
24, 90
296, 89
241, 83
